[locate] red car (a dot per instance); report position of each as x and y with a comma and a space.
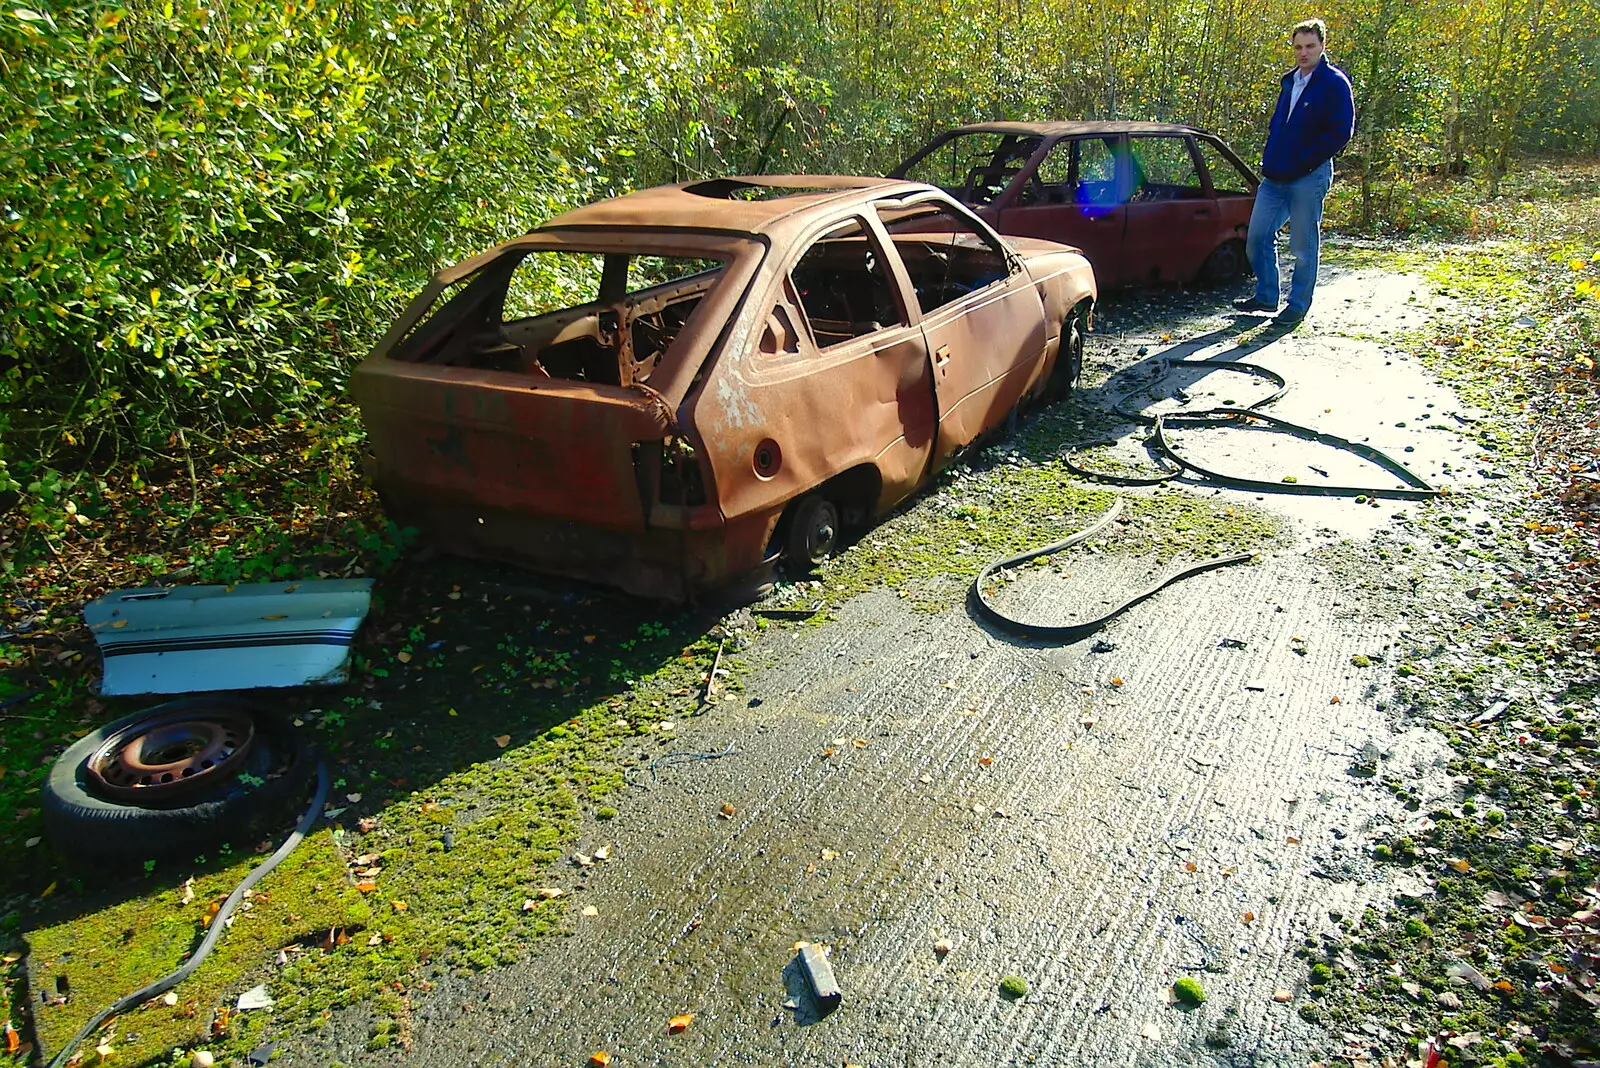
1145, 201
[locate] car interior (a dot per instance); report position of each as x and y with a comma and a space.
517, 315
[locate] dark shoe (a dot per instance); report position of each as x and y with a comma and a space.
1291, 316
1254, 305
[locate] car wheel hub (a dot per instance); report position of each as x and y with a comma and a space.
170, 755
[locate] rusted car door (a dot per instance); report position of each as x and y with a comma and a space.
838, 377
1077, 195
982, 319
1233, 187
1171, 215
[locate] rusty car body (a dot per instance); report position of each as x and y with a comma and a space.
1144, 201
664, 391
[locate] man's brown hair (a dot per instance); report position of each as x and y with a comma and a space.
1316, 26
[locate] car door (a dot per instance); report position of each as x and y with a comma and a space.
1171, 213
1074, 196
837, 377
1232, 185
982, 318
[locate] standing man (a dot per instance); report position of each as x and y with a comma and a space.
1316, 116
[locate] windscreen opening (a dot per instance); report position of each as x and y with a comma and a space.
975, 167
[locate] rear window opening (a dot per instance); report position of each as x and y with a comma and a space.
608, 318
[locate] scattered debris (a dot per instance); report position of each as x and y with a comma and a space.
942, 948
814, 962
254, 998
680, 1023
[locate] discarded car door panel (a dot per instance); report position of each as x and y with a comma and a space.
646, 392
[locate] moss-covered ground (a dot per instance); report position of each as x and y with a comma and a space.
1490, 951
492, 717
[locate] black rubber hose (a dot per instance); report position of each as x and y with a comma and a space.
1416, 489
1071, 632
1139, 417
218, 923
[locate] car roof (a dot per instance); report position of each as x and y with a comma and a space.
747, 204
1064, 129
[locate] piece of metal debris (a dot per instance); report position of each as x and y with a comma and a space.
191, 639
254, 998
820, 974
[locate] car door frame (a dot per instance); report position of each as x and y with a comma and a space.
1176, 218
995, 381
793, 399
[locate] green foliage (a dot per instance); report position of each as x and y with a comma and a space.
1189, 991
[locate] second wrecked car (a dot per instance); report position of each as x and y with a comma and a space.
666, 390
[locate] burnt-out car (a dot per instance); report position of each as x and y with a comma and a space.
664, 391
1145, 201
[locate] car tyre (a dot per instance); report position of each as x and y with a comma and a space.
1226, 263
92, 829
813, 532
1069, 360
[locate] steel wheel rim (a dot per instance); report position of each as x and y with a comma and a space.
821, 531
171, 754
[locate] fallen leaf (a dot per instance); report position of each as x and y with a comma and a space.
170, 998
1505, 987
366, 886
1293, 840
275, 617
188, 891
367, 823
1190, 865
1086, 722
354, 799
1414, 989
839, 743
1116, 680
13, 1040
1150, 1030
925, 780
1283, 997
403, 656
726, 812
599, 1058
367, 860
985, 761
502, 740
826, 753
1334, 700
399, 906
1249, 917
589, 639
860, 743
680, 1023
603, 853
1459, 864
549, 893
375, 939
830, 854
590, 911
943, 947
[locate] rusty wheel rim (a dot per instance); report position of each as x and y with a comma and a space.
169, 755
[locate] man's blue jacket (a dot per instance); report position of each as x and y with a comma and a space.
1322, 123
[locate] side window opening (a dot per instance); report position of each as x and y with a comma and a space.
1050, 183
946, 257
843, 286
1163, 169
1094, 167
1226, 178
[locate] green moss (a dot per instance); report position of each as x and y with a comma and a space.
1013, 987
605, 812
1189, 991
1360, 661
1321, 974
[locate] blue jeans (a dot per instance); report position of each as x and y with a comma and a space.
1299, 203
